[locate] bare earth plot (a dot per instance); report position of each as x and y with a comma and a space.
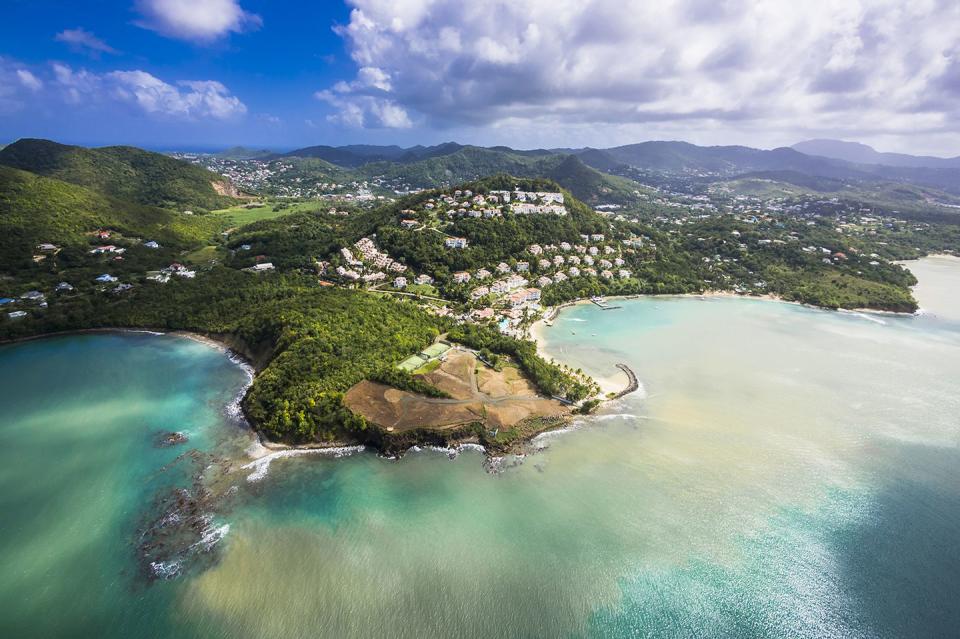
498, 399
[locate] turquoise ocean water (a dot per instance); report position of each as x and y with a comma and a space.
783, 472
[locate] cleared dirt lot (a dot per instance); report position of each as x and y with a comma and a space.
498, 399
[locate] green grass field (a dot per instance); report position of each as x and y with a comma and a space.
429, 367
240, 216
422, 289
203, 255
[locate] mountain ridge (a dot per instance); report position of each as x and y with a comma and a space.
864, 154
124, 172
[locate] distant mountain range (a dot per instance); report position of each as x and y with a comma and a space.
615, 175
863, 154
452, 162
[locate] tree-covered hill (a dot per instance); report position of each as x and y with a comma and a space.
244, 153
124, 172
296, 241
36, 209
474, 163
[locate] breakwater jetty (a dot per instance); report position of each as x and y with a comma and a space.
632, 385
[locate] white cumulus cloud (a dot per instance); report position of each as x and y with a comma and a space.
871, 67
184, 100
197, 99
196, 20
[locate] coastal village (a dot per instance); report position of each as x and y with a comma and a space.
509, 293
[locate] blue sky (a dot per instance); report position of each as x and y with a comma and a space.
527, 73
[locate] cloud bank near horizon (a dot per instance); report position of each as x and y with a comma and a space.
521, 73
134, 90
858, 68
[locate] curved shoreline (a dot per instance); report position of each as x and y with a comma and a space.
263, 447
538, 336
551, 313
227, 349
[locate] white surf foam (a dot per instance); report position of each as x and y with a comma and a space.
452, 452
211, 536
165, 569
868, 317
261, 466
234, 409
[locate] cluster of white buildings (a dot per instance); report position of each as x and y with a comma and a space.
176, 269
499, 287
401, 282
559, 263
494, 204
108, 248
372, 265
374, 256
567, 247
529, 208
544, 197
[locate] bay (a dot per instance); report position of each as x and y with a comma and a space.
782, 472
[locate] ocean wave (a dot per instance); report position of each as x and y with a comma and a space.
542, 441
539, 442
866, 316
451, 452
612, 416
234, 410
210, 537
165, 569
261, 466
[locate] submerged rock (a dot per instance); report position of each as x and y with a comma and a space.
181, 530
170, 438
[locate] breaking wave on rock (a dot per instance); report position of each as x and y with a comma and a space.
260, 467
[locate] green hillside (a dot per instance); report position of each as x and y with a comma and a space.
243, 153
35, 209
123, 172
473, 163
912, 201
590, 185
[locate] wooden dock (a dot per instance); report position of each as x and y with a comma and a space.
603, 305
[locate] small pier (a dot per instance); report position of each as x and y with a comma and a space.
602, 303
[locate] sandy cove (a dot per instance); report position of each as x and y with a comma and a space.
615, 382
